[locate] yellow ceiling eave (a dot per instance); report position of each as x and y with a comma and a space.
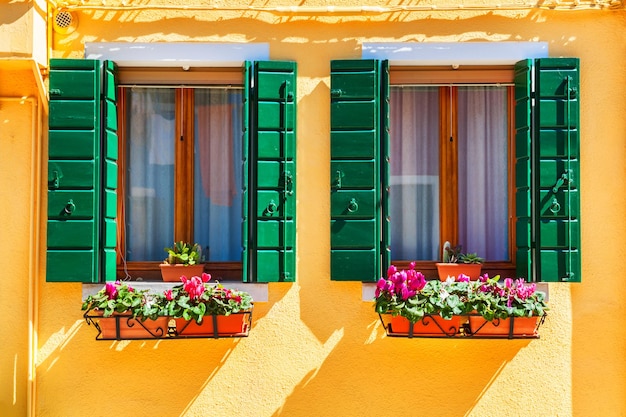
330, 10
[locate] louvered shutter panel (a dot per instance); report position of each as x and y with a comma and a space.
553, 231
271, 163
109, 167
80, 155
523, 209
358, 136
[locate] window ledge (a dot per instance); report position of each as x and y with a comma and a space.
258, 291
368, 290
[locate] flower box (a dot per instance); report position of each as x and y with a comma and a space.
124, 326
428, 326
119, 311
236, 324
508, 327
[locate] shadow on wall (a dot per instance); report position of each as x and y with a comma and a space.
433, 377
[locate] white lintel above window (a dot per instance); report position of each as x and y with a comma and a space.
454, 53
177, 54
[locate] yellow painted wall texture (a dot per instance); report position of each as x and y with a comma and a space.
317, 349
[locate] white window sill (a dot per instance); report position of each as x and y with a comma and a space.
258, 291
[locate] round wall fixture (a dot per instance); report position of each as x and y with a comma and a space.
65, 22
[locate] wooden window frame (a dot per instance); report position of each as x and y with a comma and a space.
184, 83
446, 77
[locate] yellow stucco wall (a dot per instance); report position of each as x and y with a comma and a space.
316, 349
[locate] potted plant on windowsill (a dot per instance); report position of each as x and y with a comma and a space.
418, 306
182, 259
121, 312
201, 308
509, 308
455, 262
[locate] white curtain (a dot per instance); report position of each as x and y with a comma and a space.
150, 173
414, 176
218, 169
482, 152
483, 171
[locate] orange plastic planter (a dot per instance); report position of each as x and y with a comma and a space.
454, 270
233, 324
172, 273
428, 326
522, 326
130, 328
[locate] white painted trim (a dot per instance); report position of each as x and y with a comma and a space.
177, 54
454, 53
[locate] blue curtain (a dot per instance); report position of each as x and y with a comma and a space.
149, 206
218, 170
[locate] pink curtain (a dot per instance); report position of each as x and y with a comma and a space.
214, 123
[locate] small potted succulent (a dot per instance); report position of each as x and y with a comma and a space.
455, 262
183, 258
120, 311
511, 307
420, 306
202, 308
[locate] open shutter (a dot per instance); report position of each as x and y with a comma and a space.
548, 169
82, 172
358, 121
270, 200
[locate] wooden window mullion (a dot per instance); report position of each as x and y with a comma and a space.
183, 166
448, 167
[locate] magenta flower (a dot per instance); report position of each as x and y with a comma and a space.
194, 286
463, 278
168, 295
111, 289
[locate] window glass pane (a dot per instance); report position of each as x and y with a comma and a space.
149, 185
218, 169
483, 171
414, 177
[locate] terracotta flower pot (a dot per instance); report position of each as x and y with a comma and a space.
428, 326
233, 324
521, 326
454, 270
172, 273
130, 328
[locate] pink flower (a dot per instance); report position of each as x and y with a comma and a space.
111, 289
206, 277
194, 286
463, 278
168, 295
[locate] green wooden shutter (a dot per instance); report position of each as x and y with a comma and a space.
269, 195
82, 172
548, 169
358, 118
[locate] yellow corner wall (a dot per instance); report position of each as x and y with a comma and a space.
316, 349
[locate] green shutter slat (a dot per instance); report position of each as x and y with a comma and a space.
270, 169
549, 153
82, 171
245, 200
523, 209
359, 91
108, 239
